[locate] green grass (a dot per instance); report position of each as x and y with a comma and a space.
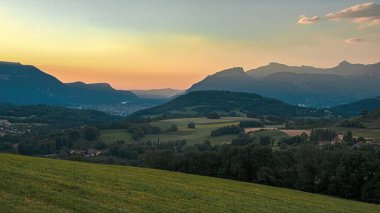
366, 133
201, 133
113, 135
29, 184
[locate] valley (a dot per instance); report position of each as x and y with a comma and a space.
189, 106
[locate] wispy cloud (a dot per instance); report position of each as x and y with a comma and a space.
366, 14
307, 20
353, 40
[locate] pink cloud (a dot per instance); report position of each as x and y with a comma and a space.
307, 20
353, 40
366, 14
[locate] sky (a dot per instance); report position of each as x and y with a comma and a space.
143, 44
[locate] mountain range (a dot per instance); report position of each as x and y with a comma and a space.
25, 84
296, 85
302, 85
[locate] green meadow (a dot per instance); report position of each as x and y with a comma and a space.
30, 184
366, 133
192, 136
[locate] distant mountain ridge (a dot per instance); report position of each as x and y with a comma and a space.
304, 85
25, 84
344, 69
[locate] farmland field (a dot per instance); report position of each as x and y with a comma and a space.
192, 136
293, 132
29, 184
113, 135
366, 133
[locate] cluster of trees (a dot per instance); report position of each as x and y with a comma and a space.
317, 135
351, 124
213, 115
191, 125
234, 129
253, 124
226, 130
45, 141
57, 116
139, 130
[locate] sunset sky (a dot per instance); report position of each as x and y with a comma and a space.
141, 44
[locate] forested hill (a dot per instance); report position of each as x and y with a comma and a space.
53, 115
226, 103
358, 107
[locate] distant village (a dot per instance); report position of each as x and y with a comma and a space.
123, 110
7, 128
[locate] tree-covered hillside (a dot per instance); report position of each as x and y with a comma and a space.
358, 107
226, 103
54, 115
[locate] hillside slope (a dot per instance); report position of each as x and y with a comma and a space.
356, 108
44, 185
200, 103
54, 115
25, 84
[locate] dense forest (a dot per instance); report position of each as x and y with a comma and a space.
57, 116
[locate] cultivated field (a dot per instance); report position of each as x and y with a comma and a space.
29, 184
294, 132
113, 135
192, 136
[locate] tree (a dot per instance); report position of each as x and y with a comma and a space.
245, 124
308, 166
191, 125
266, 175
364, 113
317, 135
91, 133
348, 137
265, 140
213, 115
173, 128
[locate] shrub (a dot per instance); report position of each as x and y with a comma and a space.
227, 130
191, 125
213, 115
245, 124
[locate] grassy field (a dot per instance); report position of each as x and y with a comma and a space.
29, 184
113, 135
366, 133
192, 136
